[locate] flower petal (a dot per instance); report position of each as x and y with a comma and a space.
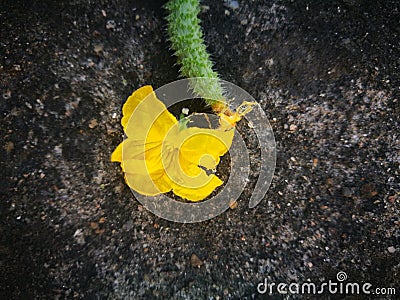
145, 181
204, 147
145, 118
116, 156
145, 185
132, 102
194, 148
197, 193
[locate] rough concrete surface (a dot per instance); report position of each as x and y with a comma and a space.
327, 75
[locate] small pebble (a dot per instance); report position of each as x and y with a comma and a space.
315, 162
233, 4
58, 149
98, 48
111, 24
128, 225
204, 8
7, 95
233, 204
392, 198
93, 123
9, 147
195, 261
94, 225
391, 249
79, 237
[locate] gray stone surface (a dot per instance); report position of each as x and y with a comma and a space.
325, 72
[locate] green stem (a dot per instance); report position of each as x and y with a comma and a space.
187, 41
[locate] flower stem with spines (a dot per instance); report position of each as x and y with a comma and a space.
187, 41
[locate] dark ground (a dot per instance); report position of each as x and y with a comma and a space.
326, 73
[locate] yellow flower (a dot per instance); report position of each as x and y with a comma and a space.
159, 156
229, 119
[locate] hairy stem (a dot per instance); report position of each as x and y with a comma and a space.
187, 41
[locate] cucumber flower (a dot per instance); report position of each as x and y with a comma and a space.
159, 156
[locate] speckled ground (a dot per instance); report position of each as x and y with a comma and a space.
325, 72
